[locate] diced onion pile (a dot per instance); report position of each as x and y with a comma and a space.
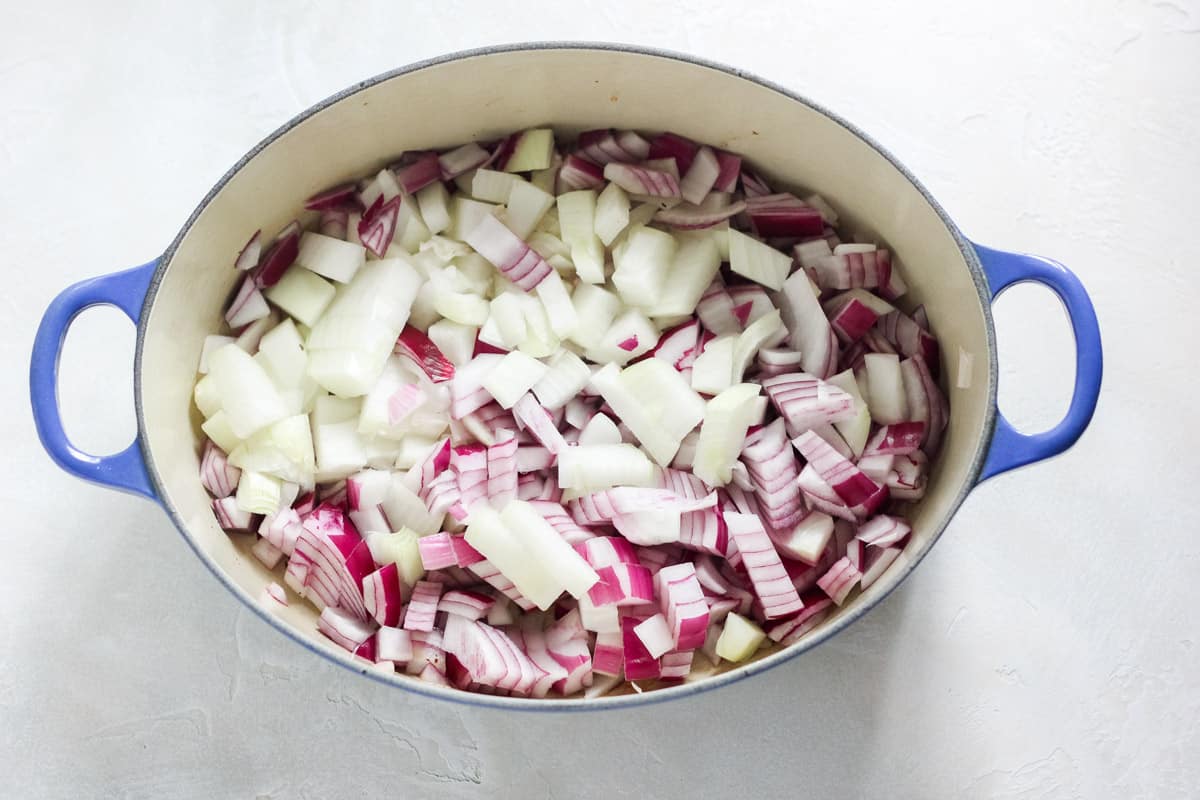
535, 418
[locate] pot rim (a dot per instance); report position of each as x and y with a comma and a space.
821, 635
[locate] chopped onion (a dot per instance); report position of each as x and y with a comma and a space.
538, 442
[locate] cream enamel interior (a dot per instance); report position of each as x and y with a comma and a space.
480, 97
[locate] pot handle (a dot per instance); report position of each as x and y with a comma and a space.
126, 290
1010, 448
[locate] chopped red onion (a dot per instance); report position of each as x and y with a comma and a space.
383, 594
855, 489
839, 580
278, 258
631, 563
422, 606
782, 215
471, 605
682, 603
337, 197
671, 145
247, 258
415, 176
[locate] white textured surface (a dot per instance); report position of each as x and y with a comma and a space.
1047, 647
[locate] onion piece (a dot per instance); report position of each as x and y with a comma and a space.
470, 464
484, 570
774, 471
899, 439
608, 654
698, 217
854, 312
344, 629
378, 225
247, 305
273, 595
855, 270
638, 662
729, 166
593, 467
512, 376
691, 274
858, 491
561, 521
821, 496
216, 474
610, 214
782, 215
808, 539
383, 594
700, 176
422, 606
488, 533
437, 551
393, 644
579, 173
656, 403
642, 180
337, 560
681, 601
854, 431
791, 630
421, 350
549, 548
278, 259
655, 636
526, 151
753, 185
883, 531
840, 580
878, 563
425, 169
621, 584
230, 516
469, 605
462, 159
508, 253
704, 530
671, 145
247, 257
758, 261
908, 479
678, 346
429, 659
726, 419
885, 394
772, 361
908, 338
805, 401
536, 419
810, 331
641, 266
502, 472
739, 639
768, 577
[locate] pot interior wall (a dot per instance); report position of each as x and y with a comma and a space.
481, 97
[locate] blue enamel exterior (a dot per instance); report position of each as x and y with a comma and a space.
134, 292
126, 290
1010, 448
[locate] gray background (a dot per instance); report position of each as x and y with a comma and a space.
1046, 648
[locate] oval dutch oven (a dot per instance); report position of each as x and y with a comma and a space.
176, 299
